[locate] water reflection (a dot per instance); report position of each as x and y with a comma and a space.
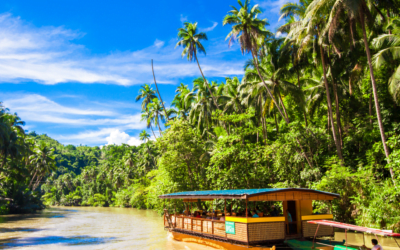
35, 241
88, 228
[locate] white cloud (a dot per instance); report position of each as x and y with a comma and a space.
51, 55
209, 28
183, 18
133, 141
105, 136
33, 103
37, 108
117, 137
159, 43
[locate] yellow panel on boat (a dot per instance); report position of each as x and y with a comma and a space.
254, 220
317, 217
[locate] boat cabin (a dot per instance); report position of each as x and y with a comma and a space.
240, 226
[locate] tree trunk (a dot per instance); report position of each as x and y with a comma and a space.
265, 133
276, 124
205, 81
374, 90
338, 122
370, 108
154, 76
158, 124
268, 90
153, 131
283, 105
304, 110
30, 184
328, 98
277, 106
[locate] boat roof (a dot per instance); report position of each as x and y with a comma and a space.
239, 193
353, 227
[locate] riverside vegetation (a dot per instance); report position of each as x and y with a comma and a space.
316, 108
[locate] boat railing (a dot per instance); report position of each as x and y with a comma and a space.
246, 229
199, 225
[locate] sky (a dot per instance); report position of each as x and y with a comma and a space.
72, 69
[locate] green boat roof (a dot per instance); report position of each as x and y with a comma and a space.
236, 193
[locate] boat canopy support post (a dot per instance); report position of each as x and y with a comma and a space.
246, 208
364, 238
225, 207
377, 239
396, 242
315, 235
345, 234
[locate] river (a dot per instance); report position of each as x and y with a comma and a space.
88, 228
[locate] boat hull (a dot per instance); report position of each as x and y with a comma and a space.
213, 243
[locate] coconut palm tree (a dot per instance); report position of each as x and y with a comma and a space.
146, 116
305, 35
202, 106
357, 12
249, 30
179, 101
231, 96
389, 50
190, 40
144, 136
147, 94
43, 162
156, 112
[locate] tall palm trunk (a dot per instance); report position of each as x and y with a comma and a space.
328, 98
281, 101
298, 84
276, 124
253, 53
205, 81
374, 90
338, 122
162, 103
370, 108
268, 90
158, 124
153, 131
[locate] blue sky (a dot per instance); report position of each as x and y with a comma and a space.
72, 69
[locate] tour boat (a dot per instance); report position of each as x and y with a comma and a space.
247, 232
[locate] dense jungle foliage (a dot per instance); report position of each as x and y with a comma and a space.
317, 107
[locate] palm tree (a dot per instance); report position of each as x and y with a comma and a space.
146, 116
144, 136
357, 12
156, 112
181, 102
130, 158
305, 34
202, 105
389, 50
249, 30
147, 94
190, 40
43, 161
231, 95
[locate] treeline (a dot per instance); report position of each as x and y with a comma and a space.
316, 108
25, 162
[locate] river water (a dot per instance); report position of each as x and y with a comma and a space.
88, 228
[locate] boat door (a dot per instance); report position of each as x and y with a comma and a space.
290, 213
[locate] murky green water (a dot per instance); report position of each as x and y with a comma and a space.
88, 228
